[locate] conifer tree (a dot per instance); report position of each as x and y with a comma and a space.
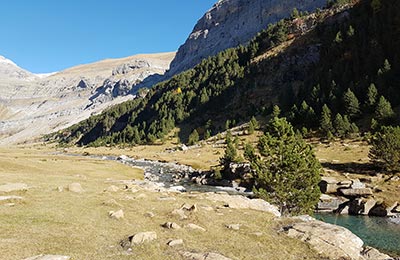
193, 137
372, 95
326, 120
383, 111
351, 104
287, 172
386, 148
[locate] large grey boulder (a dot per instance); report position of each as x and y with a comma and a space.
328, 203
356, 193
331, 185
230, 23
75, 187
330, 241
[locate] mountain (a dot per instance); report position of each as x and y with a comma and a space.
32, 105
301, 64
230, 23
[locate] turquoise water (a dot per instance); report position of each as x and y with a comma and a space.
374, 231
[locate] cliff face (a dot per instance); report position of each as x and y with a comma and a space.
230, 23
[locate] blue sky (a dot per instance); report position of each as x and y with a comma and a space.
51, 35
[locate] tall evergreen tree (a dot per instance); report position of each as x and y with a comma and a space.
326, 120
383, 111
287, 172
351, 104
372, 95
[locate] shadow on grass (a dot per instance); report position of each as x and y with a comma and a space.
353, 167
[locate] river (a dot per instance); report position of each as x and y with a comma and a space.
377, 232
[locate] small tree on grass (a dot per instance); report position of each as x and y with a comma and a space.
386, 148
287, 172
193, 137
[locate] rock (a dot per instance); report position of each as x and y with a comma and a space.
188, 207
112, 188
368, 205
141, 196
171, 225
357, 184
329, 203
203, 256
122, 158
48, 257
150, 214
137, 239
241, 202
370, 253
330, 185
362, 192
60, 189
379, 210
10, 187
356, 207
233, 226
177, 189
116, 214
175, 242
330, 241
231, 23
180, 213
8, 198
75, 187
195, 227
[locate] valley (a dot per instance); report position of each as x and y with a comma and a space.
270, 113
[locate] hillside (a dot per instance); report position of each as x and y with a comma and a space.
230, 23
300, 64
32, 105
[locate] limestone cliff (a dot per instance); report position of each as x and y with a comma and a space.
230, 23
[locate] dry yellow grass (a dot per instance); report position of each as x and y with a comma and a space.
51, 222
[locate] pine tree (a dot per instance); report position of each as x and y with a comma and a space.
326, 120
276, 111
339, 125
351, 104
386, 148
383, 111
287, 172
253, 125
230, 154
193, 137
372, 95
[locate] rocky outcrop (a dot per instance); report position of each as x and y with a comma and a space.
330, 241
230, 23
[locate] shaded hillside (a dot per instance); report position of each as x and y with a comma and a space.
302, 64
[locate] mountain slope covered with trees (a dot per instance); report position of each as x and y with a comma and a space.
335, 71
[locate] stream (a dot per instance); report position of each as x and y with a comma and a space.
377, 232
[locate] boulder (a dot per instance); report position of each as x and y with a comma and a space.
357, 184
8, 198
180, 213
368, 205
175, 242
330, 185
370, 253
116, 214
329, 203
330, 241
356, 193
48, 257
233, 226
138, 239
356, 207
241, 202
379, 210
10, 187
195, 227
75, 187
171, 225
203, 256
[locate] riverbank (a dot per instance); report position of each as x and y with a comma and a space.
52, 217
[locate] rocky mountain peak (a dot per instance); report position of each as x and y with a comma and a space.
10, 70
230, 23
